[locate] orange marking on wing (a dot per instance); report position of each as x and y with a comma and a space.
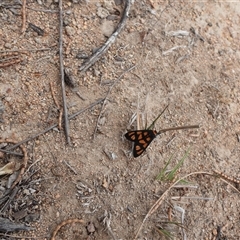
140, 137
137, 147
145, 145
133, 137
142, 141
140, 151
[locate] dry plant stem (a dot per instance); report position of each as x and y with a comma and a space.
7, 226
60, 119
21, 237
71, 168
58, 106
24, 163
7, 64
177, 128
66, 122
105, 99
55, 125
53, 96
222, 179
10, 195
97, 55
27, 50
223, 175
10, 152
69, 221
159, 201
24, 16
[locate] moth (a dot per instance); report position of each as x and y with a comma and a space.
142, 138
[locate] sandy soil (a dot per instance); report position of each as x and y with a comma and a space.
186, 54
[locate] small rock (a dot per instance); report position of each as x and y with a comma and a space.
8, 99
118, 2
31, 190
48, 3
102, 12
107, 28
38, 40
8, 45
91, 228
112, 17
81, 55
223, 152
20, 214
32, 217
70, 31
66, 22
108, 4
26, 191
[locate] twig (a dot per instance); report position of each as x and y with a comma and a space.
105, 99
223, 175
65, 111
60, 119
96, 56
23, 16
27, 50
107, 222
70, 167
53, 96
7, 64
172, 49
69, 221
7, 226
55, 125
79, 95
58, 106
10, 152
194, 198
21, 237
8, 196
34, 163
36, 29
159, 201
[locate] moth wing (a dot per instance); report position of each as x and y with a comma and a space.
141, 139
139, 148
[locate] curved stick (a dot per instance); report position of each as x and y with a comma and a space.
95, 57
69, 221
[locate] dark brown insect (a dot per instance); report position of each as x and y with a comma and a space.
142, 138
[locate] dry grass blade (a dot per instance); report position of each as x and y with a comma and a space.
164, 233
159, 201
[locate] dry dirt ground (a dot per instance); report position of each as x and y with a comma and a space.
186, 54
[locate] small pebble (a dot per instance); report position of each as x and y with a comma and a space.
8, 45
